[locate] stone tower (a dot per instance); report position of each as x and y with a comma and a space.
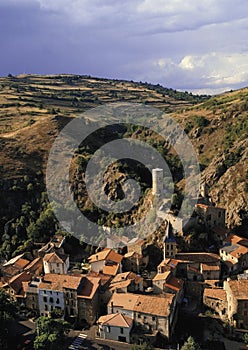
157, 181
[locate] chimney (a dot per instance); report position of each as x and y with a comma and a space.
112, 307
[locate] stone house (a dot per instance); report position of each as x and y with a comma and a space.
75, 296
210, 215
14, 286
152, 313
234, 254
115, 327
107, 262
216, 300
134, 262
14, 267
159, 280
56, 263
137, 245
237, 300
126, 282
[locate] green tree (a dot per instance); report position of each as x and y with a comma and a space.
51, 333
8, 312
190, 344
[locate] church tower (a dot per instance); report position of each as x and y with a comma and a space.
170, 244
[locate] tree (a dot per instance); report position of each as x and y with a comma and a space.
143, 346
8, 312
51, 333
190, 344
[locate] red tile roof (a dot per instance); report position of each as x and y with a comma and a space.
116, 320
107, 255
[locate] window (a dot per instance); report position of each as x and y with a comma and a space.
45, 299
219, 214
121, 330
46, 307
108, 329
51, 300
246, 305
245, 313
153, 318
139, 316
57, 301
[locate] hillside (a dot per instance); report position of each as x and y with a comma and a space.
34, 108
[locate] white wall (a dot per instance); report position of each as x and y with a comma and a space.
49, 300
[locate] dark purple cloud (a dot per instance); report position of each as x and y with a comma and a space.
184, 44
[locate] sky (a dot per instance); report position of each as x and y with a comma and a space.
190, 45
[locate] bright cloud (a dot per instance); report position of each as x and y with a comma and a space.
193, 45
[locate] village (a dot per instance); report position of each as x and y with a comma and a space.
122, 296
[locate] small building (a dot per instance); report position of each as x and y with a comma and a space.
237, 299
126, 282
14, 286
159, 280
151, 313
216, 300
14, 266
134, 262
136, 245
56, 263
107, 262
115, 327
210, 216
235, 258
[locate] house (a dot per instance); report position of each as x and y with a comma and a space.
137, 245
168, 264
115, 327
88, 300
76, 296
237, 300
210, 216
14, 267
235, 257
56, 263
216, 300
35, 267
133, 261
198, 266
152, 313
159, 281
14, 286
107, 262
126, 282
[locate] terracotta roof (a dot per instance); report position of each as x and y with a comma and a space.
169, 262
235, 239
115, 320
209, 267
159, 306
16, 282
52, 281
106, 254
127, 276
198, 257
147, 304
122, 284
55, 258
110, 269
211, 283
89, 287
239, 289
104, 279
240, 250
162, 276
132, 254
215, 293
33, 264
174, 283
